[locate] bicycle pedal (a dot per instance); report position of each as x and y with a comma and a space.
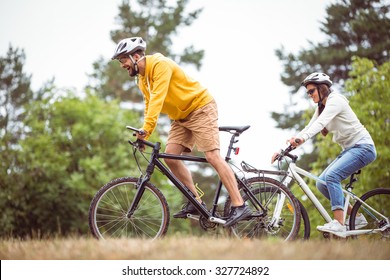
194, 217
217, 220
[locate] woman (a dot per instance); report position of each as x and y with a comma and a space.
334, 115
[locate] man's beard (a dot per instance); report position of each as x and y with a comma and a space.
132, 73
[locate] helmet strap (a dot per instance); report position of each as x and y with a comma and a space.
136, 63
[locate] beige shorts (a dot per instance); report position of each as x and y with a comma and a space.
199, 128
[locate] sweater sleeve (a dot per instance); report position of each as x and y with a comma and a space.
317, 123
160, 79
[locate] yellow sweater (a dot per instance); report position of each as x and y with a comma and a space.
167, 89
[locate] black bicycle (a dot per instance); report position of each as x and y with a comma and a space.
132, 207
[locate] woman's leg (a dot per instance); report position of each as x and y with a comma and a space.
348, 162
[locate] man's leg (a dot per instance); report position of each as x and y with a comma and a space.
239, 209
226, 175
179, 169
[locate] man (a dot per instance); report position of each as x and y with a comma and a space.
193, 111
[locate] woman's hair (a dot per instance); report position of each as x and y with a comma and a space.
324, 91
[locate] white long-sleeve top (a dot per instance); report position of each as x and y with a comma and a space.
339, 119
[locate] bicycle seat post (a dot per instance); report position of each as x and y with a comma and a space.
231, 147
352, 180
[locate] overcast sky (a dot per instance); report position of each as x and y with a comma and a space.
62, 39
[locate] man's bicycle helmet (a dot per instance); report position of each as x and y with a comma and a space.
317, 78
129, 46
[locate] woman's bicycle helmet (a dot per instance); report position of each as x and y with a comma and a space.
129, 46
317, 78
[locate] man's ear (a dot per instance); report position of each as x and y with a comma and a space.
136, 56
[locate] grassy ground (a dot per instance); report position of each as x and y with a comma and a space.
186, 248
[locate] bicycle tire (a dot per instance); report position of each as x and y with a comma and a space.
267, 191
379, 199
306, 221
109, 207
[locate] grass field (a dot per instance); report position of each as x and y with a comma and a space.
192, 248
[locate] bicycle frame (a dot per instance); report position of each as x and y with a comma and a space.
155, 161
295, 174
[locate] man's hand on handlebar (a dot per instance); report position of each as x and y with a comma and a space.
141, 134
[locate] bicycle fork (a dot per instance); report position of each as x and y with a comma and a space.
278, 210
140, 191
275, 221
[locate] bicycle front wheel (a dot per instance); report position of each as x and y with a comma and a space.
281, 218
108, 213
378, 220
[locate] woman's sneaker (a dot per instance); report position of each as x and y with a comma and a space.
334, 227
360, 222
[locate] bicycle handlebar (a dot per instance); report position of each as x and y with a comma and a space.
286, 153
140, 142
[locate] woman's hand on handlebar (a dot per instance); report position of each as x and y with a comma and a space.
295, 142
275, 156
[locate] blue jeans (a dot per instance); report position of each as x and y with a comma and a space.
349, 161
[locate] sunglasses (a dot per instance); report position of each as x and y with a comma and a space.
311, 91
123, 59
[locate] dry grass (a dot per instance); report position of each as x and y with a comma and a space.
186, 248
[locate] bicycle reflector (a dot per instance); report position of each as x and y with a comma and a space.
236, 150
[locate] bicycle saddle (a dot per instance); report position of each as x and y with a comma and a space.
237, 129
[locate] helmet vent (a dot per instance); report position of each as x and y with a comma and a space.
123, 46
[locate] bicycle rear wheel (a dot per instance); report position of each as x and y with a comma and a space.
379, 199
108, 213
275, 197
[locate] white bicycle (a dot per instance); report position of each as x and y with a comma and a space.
375, 204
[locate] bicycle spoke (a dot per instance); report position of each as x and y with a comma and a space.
109, 211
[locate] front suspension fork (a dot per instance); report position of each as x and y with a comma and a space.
140, 191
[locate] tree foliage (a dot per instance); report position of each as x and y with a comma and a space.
65, 155
352, 28
14, 93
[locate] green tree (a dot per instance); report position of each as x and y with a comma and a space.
155, 21
353, 28
71, 147
14, 93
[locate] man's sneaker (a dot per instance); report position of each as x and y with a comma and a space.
360, 222
334, 227
237, 214
188, 208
